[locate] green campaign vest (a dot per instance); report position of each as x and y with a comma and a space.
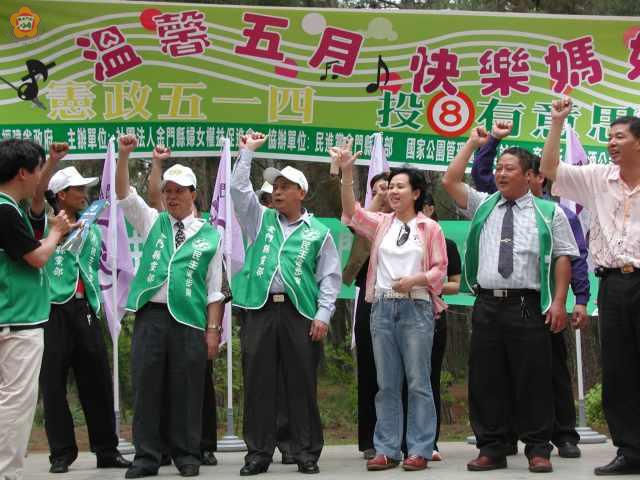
24, 290
64, 267
185, 270
544, 211
296, 258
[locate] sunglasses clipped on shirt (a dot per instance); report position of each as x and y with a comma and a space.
403, 235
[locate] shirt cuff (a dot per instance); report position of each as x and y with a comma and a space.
215, 297
323, 314
129, 199
582, 299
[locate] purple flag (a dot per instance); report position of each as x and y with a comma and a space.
116, 268
378, 164
575, 155
223, 218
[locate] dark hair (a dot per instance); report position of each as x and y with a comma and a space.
16, 154
428, 200
378, 177
417, 182
535, 166
633, 122
525, 157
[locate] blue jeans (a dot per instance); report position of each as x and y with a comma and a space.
402, 336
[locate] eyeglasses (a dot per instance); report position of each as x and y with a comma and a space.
403, 235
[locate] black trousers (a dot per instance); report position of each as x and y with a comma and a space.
278, 335
209, 440
619, 307
73, 340
510, 375
367, 375
168, 361
564, 418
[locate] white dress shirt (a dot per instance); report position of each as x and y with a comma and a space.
526, 244
142, 217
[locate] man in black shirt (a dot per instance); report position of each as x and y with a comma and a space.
24, 298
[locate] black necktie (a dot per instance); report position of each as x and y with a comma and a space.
505, 258
179, 233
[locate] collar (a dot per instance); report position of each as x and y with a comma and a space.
614, 173
521, 202
187, 221
4, 194
305, 217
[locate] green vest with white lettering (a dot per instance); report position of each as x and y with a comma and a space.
296, 258
185, 270
64, 267
544, 212
24, 290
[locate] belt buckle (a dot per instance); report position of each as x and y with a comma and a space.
278, 298
500, 293
628, 268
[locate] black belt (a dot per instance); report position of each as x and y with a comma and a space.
507, 292
17, 328
625, 270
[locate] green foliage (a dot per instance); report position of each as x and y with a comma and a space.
593, 405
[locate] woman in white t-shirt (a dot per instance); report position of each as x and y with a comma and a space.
407, 268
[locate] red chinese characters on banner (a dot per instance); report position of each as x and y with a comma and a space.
341, 45
182, 33
258, 33
441, 65
111, 52
576, 61
634, 58
504, 70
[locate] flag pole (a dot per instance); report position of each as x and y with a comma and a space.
230, 442
124, 447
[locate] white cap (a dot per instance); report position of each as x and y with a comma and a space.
70, 177
181, 175
266, 188
290, 173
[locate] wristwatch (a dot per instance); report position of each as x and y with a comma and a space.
218, 328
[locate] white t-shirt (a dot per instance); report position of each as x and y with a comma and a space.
395, 262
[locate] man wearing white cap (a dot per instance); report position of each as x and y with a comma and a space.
287, 288
72, 336
177, 297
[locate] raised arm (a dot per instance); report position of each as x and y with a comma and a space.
453, 180
58, 228
158, 157
343, 157
57, 151
560, 110
126, 145
482, 168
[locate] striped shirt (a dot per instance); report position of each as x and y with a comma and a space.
526, 244
375, 225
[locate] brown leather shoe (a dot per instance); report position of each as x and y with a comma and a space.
414, 462
381, 462
484, 463
540, 465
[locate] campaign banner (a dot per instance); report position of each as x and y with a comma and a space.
188, 75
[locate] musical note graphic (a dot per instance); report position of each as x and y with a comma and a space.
372, 87
29, 91
326, 70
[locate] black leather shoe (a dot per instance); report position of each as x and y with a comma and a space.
288, 459
165, 460
209, 458
116, 461
618, 466
189, 470
137, 472
253, 468
59, 465
568, 450
310, 466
